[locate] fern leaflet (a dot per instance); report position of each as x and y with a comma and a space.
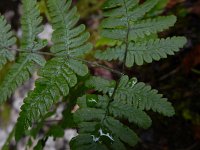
6, 41
137, 94
146, 51
126, 21
141, 96
28, 61
98, 131
99, 114
60, 73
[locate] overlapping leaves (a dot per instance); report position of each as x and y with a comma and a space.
98, 117
6, 41
100, 130
60, 73
131, 92
126, 21
28, 59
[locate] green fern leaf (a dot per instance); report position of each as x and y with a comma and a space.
100, 84
85, 142
134, 115
67, 39
137, 29
31, 25
126, 21
154, 49
57, 78
27, 62
124, 133
142, 97
98, 128
146, 51
131, 93
6, 41
60, 73
112, 53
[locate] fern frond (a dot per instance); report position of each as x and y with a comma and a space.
154, 49
146, 51
137, 29
131, 113
57, 77
100, 128
60, 73
126, 21
98, 117
67, 39
123, 25
142, 97
85, 142
27, 62
112, 53
6, 40
133, 93
31, 25
100, 84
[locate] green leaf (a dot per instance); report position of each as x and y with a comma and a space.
142, 97
60, 73
122, 16
99, 124
36, 105
127, 22
67, 39
57, 78
87, 127
56, 131
89, 114
144, 51
100, 84
17, 75
114, 53
123, 132
134, 115
150, 26
6, 41
85, 142
154, 49
27, 63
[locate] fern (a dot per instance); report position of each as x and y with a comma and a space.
6, 40
142, 97
28, 60
131, 92
126, 21
100, 132
108, 119
99, 117
141, 52
130, 100
101, 85
60, 73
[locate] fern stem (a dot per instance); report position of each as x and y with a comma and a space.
123, 67
94, 64
111, 99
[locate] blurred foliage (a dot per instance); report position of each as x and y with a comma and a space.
88, 7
